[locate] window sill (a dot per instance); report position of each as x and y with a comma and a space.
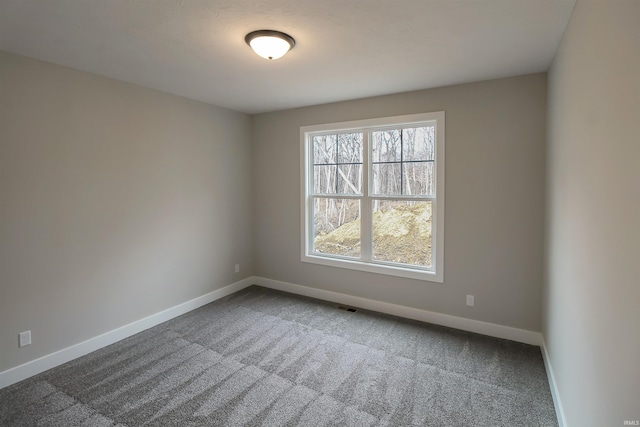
378, 268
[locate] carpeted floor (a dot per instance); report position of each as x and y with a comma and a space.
266, 358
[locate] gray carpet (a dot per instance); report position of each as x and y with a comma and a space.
266, 358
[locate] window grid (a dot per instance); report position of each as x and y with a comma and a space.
368, 198
337, 174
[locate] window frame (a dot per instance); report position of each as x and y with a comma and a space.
435, 273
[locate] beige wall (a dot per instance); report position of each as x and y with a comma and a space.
116, 202
592, 295
495, 150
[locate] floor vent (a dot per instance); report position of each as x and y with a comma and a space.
351, 309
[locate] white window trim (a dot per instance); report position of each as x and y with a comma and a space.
436, 273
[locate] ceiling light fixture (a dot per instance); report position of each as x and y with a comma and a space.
270, 44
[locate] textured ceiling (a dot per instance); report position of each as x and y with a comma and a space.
345, 49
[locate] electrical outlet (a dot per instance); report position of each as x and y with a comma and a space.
470, 300
25, 338
237, 268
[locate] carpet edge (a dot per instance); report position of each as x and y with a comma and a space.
51, 360
470, 325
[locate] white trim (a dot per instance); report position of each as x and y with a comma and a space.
33, 367
477, 326
435, 273
305, 156
555, 393
404, 120
438, 214
373, 267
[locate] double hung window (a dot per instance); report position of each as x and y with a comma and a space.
373, 195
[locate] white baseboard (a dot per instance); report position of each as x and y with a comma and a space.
557, 403
26, 370
57, 358
485, 328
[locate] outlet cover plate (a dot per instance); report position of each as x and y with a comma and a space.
25, 338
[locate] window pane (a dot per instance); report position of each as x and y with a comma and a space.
324, 179
385, 146
419, 178
336, 225
402, 232
324, 149
418, 143
350, 148
350, 179
386, 178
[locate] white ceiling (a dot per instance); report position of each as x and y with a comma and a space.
345, 49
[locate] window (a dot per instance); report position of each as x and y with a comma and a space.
373, 195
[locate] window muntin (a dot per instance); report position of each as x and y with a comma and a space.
402, 161
337, 163
373, 195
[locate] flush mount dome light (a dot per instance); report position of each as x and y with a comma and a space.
270, 44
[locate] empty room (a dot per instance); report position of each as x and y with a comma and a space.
320, 213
